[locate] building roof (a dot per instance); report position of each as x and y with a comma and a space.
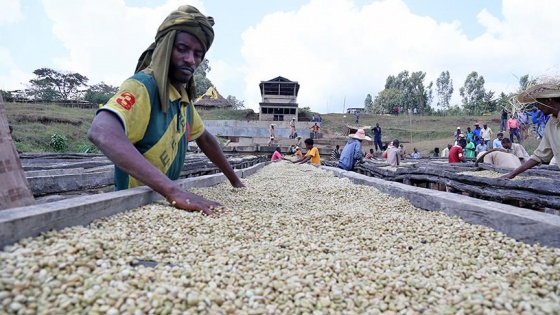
212, 98
279, 86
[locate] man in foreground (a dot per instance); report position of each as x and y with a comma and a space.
145, 128
547, 98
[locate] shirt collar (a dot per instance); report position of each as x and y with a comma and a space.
174, 95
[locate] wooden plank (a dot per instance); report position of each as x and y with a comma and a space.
18, 223
524, 225
14, 188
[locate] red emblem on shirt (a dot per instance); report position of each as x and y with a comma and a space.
126, 100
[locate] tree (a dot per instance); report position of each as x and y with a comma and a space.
235, 104
6, 96
100, 93
412, 92
386, 100
444, 88
200, 79
503, 102
490, 103
368, 104
473, 94
55, 85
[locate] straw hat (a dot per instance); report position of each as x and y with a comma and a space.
360, 135
539, 91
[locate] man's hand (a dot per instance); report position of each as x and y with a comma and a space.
191, 202
237, 184
507, 176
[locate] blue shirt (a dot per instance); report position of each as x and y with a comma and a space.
351, 153
476, 133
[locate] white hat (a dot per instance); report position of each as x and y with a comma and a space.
360, 135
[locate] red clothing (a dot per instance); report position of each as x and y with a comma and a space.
455, 154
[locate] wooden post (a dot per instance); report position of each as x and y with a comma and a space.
14, 188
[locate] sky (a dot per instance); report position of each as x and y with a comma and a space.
339, 51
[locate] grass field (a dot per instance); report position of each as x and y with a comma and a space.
34, 124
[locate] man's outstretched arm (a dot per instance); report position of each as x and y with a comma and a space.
107, 133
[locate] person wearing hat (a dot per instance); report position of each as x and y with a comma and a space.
457, 134
352, 151
292, 128
145, 128
547, 98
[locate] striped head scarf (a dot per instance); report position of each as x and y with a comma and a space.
155, 60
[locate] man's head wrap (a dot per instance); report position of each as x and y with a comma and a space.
155, 60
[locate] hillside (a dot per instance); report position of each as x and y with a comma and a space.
35, 124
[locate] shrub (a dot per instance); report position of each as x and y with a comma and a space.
58, 142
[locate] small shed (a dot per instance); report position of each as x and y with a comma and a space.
211, 100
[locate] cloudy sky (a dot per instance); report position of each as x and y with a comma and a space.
338, 50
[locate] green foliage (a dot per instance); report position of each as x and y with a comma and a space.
368, 104
411, 91
386, 100
58, 143
503, 102
235, 103
201, 81
56, 85
304, 113
6, 95
444, 87
473, 93
100, 93
87, 147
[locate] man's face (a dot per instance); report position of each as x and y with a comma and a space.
500, 137
186, 56
506, 145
